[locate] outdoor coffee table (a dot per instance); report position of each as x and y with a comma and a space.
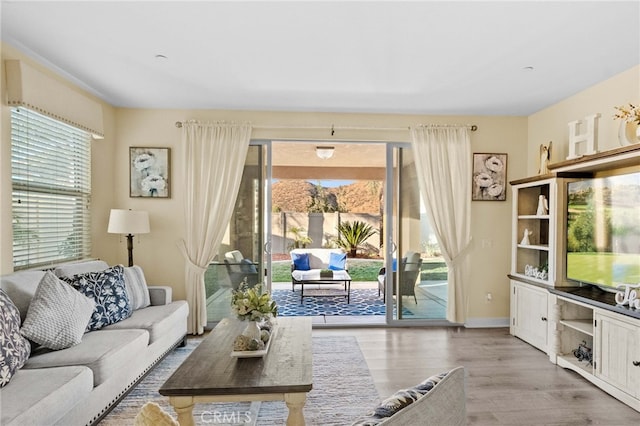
314, 278
211, 374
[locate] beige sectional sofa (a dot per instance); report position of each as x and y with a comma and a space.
78, 385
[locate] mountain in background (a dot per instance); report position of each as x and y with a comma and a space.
297, 196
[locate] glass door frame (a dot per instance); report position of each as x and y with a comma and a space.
393, 243
266, 220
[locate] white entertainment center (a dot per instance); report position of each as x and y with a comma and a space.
556, 315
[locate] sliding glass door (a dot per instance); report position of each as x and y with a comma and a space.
418, 289
243, 253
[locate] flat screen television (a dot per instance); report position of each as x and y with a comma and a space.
603, 231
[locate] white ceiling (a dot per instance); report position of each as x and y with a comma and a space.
425, 57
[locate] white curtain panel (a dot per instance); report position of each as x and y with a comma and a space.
213, 160
443, 163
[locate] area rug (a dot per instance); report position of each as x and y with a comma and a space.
342, 391
362, 302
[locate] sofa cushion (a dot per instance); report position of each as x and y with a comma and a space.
77, 268
337, 261
14, 349
411, 261
248, 267
44, 396
136, 286
107, 289
319, 258
20, 287
300, 261
156, 320
58, 314
103, 351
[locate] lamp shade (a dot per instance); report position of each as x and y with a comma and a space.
324, 152
128, 222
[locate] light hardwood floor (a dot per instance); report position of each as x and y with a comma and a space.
508, 382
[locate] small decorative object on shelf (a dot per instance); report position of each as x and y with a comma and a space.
545, 157
629, 296
583, 353
588, 137
252, 305
541, 273
543, 206
629, 131
525, 239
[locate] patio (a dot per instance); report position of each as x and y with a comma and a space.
431, 304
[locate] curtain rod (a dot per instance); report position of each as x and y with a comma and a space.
333, 128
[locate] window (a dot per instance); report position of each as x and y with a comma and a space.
51, 179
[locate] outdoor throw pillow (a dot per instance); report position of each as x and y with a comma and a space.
58, 315
247, 267
15, 349
108, 290
136, 286
300, 261
337, 261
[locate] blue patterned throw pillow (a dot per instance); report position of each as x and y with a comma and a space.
398, 401
300, 261
108, 290
14, 348
405, 397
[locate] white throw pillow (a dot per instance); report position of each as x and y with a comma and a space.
136, 287
76, 268
58, 314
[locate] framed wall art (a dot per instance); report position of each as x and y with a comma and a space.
149, 172
489, 177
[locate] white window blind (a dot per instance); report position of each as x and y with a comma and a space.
51, 177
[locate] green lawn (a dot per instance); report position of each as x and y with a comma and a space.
595, 267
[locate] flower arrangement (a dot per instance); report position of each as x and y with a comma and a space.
249, 303
628, 113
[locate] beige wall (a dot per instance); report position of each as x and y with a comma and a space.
158, 252
550, 124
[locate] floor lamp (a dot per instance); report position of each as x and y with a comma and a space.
129, 222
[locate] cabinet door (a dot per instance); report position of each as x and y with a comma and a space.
618, 347
531, 315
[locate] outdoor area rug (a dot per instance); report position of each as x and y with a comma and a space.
343, 390
362, 302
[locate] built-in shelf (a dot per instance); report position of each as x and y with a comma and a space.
614, 158
528, 279
569, 314
582, 325
571, 362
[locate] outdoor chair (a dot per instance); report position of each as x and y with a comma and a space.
239, 268
411, 266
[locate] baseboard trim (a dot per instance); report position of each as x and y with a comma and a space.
486, 322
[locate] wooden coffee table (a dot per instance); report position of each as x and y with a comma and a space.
210, 374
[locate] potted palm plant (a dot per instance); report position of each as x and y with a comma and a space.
352, 235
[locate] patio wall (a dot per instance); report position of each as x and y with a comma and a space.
321, 227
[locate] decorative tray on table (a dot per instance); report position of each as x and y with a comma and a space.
257, 353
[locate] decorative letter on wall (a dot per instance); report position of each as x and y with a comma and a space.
589, 137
